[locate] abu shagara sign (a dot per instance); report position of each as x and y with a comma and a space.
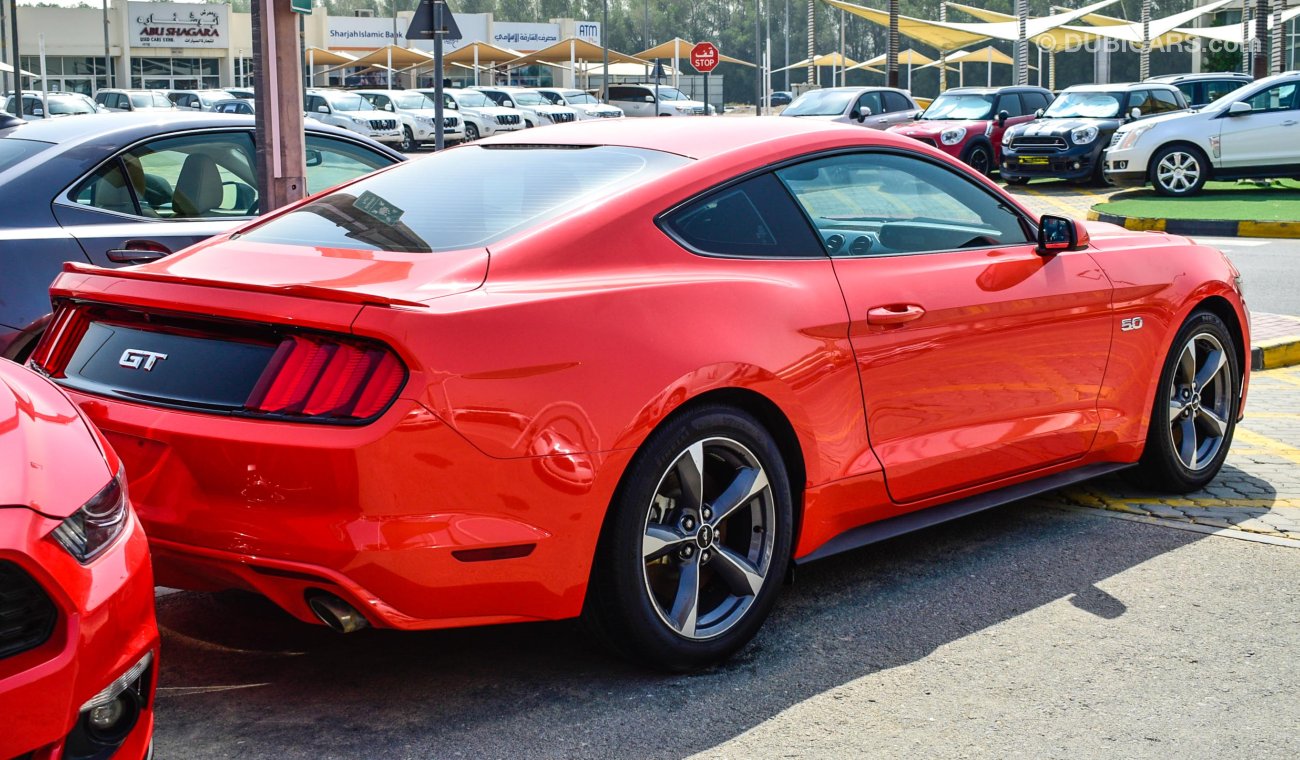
179, 25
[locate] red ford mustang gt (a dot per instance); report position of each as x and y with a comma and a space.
632, 371
78, 642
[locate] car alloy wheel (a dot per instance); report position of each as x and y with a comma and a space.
1178, 171
471, 132
696, 542
1195, 411
408, 140
979, 160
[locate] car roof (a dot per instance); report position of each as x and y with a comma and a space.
1168, 78
996, 90
693, 138
1117, 86
863, 88
122, 128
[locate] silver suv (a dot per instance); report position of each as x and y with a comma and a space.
133, 100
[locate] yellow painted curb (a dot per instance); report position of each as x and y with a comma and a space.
1143, 224
1278, 352
1269, 229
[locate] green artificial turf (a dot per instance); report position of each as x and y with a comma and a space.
1229, 201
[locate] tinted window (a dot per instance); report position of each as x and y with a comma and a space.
753, 218
1010, 102
1164, 101
1218, 88
1141, 100
1192, 91
870, 100
902, 204
339, 161
1033, 101
395, 211
13, 151
107, 189
625, 93
1279, 97
895, 102
314, 102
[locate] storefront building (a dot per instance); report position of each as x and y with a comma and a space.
198, 45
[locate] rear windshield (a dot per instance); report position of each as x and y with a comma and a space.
13, 151
497, 191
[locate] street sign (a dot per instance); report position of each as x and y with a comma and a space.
300, 6
424, 26
705, 57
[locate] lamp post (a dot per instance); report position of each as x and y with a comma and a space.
758, 57
604, 47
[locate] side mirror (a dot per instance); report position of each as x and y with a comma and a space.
314, 157
649, 98
1002, 118
1038, 114
388, 106
323, 109
917, 116
863, 114
508, 103
1135, 113
196, 104
1057, 233
1239, 108
38, 112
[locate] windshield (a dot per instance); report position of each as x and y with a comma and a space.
820, 103
1085, 105
13, 150
393, 210
580, 97
960, 106
528, 98
413, 100
342, 101
69, 104
671, 93
471, 99
212, 96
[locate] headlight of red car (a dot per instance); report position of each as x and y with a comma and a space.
91, 529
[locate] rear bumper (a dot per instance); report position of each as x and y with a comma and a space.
105, 626
402, 517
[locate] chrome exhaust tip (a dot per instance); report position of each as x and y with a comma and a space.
336, 613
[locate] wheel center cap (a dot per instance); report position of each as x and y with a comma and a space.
705, 537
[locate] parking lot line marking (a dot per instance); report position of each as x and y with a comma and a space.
1286, 377
1273, 415
1268, 445
1069, 210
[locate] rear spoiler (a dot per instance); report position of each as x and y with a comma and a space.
299, 291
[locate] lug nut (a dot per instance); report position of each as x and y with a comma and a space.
688, 524
705, 556
688, 551
708, 513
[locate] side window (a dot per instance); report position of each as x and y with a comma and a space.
383, 103
1279, 97
1033, 101
196, 176
622, 93
1010, 102
331, 162
870, 100
1192, 91
106, 189
894, 102
753, 218
1218, 88
30, 105
900, 204
1164, 101
314, 102
1141, 100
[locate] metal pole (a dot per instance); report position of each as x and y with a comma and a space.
4, 51
842, 61
108, 56
758, 58
604, 49
438, 31
786, 29
45, 81
18, 58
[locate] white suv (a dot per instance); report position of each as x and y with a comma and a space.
639, 100
416, 112
59, 104
1250, 132
537, 111
351, 111
482, 117
587, 106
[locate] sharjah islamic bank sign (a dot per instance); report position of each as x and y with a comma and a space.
179, 25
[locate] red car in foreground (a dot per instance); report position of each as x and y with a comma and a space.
78, 641
634, 370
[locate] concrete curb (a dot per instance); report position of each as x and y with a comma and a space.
1205, 227
1275, 353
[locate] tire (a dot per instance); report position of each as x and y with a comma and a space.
1098, 178
528, 124
980, 158
714, 572
409, 145
1016, 180
1177, 171
471, 132
1195, 411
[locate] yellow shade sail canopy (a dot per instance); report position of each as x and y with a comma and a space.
1055, 40
947, 35
1231, 33
485, 51
574, 49
826, 59
680, 48
322, 57
909, 57
392, 55
1162, 29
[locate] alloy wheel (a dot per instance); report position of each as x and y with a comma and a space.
707, 545
1200, 401
1178, 171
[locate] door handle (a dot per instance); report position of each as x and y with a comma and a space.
1289, 123
894, 314
138, 252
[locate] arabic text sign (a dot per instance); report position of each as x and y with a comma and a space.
179, 25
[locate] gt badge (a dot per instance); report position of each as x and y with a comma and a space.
1126, 325
137, 358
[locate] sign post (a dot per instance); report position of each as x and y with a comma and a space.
705, 58
433, 21
281, 144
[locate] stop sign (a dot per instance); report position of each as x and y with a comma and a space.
704, 57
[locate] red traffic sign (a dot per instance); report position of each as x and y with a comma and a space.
705, 57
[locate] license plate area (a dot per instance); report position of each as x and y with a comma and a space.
1035, 160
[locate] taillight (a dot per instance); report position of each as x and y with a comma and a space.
60, 340
322, 378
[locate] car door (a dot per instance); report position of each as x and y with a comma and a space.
898, 109
1267, 135
162, 195
979, 358
870, 107
1016, 109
